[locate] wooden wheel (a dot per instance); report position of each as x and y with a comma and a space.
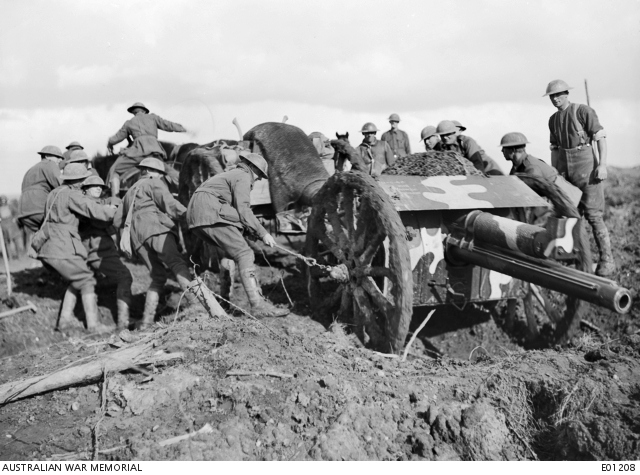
540, 317
354, 224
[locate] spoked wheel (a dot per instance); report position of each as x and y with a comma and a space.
540, 317
354, 225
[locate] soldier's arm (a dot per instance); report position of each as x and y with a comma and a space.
118, 137
52, 175
589, 120
473, 153
168, 204
167, 125
388, 155
87, 207
553, 140
407, 145
241, 201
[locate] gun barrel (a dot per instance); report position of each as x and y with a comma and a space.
549, 274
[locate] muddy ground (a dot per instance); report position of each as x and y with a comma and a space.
311, 392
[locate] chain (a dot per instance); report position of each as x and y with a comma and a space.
310, 261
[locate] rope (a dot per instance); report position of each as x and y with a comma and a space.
280, 274
309, 261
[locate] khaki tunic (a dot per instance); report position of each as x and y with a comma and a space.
376, 157
37, 183
155, 211
398, 140
144, 130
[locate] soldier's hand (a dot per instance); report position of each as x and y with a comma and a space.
601, 173
109, 149
268, 240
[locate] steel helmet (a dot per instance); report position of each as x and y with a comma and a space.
78, 156
513, 139
446, 127
555, 86
75, 171
369, 127
461, 127
140, 105
257, 160
427, 132
94, 181
51, 150
394, 118
153, 163
74, 144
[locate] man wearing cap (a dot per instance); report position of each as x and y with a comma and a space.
72, 147
143, 127
154, 231
37, 183
397, 139
467, 147
376, 154
573, 128
79, 156
220, 213
102, 254
63, 250
430, 138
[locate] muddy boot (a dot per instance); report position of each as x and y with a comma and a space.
227, 276
123, 303
92, 316
150, 305
66, 317
606, 264
260, 307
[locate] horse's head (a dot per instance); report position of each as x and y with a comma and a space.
344, 136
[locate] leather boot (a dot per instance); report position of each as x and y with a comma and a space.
150, 305
65, 317
606, 264
123, 302
115, 185
92, 316
226, 277
260, 307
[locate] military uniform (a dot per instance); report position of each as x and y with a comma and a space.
11, 232
37, 183
154, 231
376, 157
469, 149
536, 167
398, 141
144, 130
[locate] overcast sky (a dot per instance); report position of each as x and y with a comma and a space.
70, 68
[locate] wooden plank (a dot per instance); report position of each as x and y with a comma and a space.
415, 193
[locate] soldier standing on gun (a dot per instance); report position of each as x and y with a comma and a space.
572, 129
397, 139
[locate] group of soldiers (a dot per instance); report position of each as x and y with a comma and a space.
62, 203
575, 136
75, 226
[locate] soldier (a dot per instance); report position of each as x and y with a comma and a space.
37, 183
376, 154
219, 213
397, 139
102, 254
72, 147
154, 231
573, 127
143, 127
79, 156
514, 146
467, 147
430, 137
63, 249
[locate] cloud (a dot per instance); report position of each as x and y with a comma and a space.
70, 76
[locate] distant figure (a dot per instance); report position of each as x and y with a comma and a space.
397, 139
430, 138
376, 154
467, 147
37, 183
574, 127
72, 147
79, 156
10, 231
143, 127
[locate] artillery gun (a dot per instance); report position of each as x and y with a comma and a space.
384, 247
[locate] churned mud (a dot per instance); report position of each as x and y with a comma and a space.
301, 389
